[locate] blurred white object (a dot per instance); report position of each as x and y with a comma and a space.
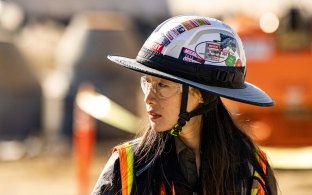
269, 22
11, 15
105, 110
290, 158
12, 150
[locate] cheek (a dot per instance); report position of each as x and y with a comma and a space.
173, 106
170, 111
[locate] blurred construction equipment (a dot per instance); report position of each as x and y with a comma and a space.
84, 141
280, 62
20, 95
82, 56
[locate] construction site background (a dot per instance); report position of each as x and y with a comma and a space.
56, 128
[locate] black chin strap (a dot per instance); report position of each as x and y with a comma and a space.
185, 116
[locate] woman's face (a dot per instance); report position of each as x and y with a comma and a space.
163, 99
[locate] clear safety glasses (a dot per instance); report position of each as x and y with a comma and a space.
162, 88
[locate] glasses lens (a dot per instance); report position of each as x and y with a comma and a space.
165, 90
162, 88
144, 84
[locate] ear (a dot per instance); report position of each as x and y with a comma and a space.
196, 93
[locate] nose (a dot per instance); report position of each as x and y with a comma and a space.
149, 96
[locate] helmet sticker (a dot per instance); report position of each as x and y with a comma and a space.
238, 63
156, 47
190, 56
162, 38
165, 41
219, 51
190, 24
175, 32
227, 41
230, 60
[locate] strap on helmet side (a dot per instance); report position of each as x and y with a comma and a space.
185, 116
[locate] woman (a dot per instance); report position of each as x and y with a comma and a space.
192, 145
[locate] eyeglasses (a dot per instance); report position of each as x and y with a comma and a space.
162, 88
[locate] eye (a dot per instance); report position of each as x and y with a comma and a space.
146, 80
162, 85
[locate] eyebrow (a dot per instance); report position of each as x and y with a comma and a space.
149, 78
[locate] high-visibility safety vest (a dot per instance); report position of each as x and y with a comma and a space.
126, 171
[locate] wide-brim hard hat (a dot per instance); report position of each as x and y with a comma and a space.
202, 52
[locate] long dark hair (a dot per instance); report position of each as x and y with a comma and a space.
226, 155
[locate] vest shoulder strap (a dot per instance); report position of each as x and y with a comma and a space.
126, 167
258, 185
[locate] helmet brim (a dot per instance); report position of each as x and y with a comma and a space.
248, 93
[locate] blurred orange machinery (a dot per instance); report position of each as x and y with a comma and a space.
286, 75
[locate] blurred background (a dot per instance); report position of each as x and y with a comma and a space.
63, 105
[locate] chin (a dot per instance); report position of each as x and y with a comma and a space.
159, 128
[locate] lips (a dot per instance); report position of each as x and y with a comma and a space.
153, 115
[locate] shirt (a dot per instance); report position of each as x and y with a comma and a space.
187, 162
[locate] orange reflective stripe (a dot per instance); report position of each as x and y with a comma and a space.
173, 190
262, 160
126, 167
163, 190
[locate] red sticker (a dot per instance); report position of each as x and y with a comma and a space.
157, 47
238, 63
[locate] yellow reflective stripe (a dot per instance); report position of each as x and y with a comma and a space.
254, 191
257, 189
255, 186
130, 166
256, 174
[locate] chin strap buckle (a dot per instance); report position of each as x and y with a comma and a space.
175, 131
